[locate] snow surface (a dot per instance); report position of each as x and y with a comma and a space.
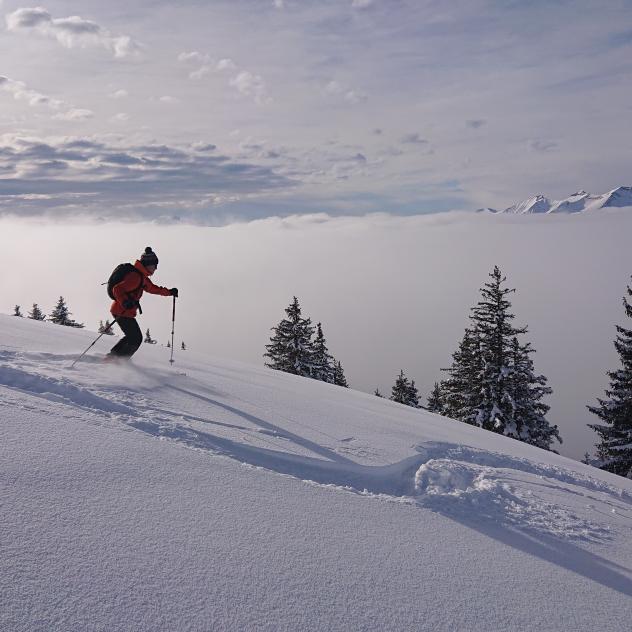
214, 495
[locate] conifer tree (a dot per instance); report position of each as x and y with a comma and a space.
36, 313
148, 339
435, 401
17, 312
168, 345
413, 395
614, 451
61, 315
322, 361
105, 329
491, 383
339, 374
183, 347
404, 391
109, 329
492, 320
587, 460
528, 420
462, 388
400, 388
291, 349
377, 393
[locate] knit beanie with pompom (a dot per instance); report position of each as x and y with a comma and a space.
149, 258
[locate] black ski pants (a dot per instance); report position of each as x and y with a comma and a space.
127, 346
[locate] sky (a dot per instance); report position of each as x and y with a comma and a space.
333, 150
222, 111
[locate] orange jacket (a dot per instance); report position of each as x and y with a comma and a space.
132, 287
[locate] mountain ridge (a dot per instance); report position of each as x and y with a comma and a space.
579, 202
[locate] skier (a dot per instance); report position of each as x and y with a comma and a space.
127, 293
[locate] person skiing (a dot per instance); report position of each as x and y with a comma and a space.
127, 294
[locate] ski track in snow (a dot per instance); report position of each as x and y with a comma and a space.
460, 482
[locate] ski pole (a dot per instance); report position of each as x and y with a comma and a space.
173, 327
92, 345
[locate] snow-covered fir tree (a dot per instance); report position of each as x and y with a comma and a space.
105, 328
322, 361
36, 313
413, 395
405, 391
399, 391
168, 345
61, 315
462, 388
148, 339
492, 383
493, 322
614, 451
183, 347
528, 420
435, 402
290, 349
17, 312
339, 374
377, 393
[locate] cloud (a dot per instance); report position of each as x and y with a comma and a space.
475, 123
542, 145
70, 32
193, 56
413, 139
251, 85
226, 64
279, 4
335, 88
120, 117
169, 100
243, 81
126, 180
74, 114
21, 92
361, 4
118, 94
200, 72
204, 146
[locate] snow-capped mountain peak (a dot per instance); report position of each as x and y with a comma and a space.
621, 196
575, 203
537, 204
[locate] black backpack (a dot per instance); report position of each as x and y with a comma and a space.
119, 273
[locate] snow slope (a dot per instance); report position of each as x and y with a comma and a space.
220, 496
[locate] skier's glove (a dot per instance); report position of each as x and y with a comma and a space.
174, 291
130, 304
